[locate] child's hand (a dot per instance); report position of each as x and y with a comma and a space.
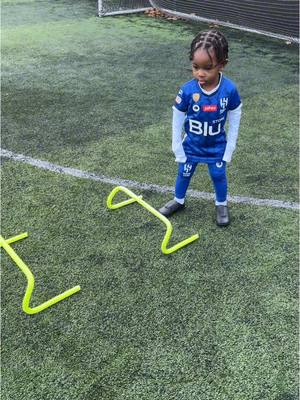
228, 153
180, 159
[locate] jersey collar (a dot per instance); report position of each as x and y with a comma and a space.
208, 93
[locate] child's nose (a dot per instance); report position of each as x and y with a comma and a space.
201, 73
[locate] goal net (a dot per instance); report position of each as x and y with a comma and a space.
277, 18
113, 7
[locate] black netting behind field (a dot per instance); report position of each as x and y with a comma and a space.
280, 17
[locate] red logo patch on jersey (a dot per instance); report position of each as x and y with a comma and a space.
210, 108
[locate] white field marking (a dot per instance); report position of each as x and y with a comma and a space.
142, 186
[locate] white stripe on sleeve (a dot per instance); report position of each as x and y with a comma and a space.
234, 117
177, 125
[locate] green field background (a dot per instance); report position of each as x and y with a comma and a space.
216, 320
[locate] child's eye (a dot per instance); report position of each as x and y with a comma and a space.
206, 68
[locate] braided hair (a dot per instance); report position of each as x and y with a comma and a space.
211, 40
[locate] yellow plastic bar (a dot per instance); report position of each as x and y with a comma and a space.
16, 238
30, 278
138, 199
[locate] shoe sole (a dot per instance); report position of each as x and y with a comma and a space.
224, 224
168, 214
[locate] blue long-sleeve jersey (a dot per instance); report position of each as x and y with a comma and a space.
206, 114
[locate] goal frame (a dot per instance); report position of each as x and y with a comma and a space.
130, 11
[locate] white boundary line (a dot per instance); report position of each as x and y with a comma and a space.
142, 186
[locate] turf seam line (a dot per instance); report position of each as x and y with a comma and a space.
142, 186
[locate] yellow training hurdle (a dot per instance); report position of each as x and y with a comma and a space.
134, 198
30, 278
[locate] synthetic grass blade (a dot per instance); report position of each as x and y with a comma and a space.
138, 199
30, 278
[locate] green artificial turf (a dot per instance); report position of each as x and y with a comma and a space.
216, 320
97, 94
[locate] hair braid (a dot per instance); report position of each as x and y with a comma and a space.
211, 40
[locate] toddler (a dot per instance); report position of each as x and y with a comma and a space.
202, 107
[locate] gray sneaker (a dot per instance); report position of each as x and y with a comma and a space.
222, 216
170, 208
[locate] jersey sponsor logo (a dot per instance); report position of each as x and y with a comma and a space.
178, 99
203, 128
210, 108
196, 97
215, 121
196, 108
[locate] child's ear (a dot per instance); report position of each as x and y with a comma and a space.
223, 64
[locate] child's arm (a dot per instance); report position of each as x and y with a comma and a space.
234, 117
177, 125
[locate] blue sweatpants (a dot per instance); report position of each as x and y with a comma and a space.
217, 172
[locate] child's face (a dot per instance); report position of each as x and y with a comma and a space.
206, 69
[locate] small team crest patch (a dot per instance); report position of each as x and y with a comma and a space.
178, 99
196, 97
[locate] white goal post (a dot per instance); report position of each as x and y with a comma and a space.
275, 18
113, 7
